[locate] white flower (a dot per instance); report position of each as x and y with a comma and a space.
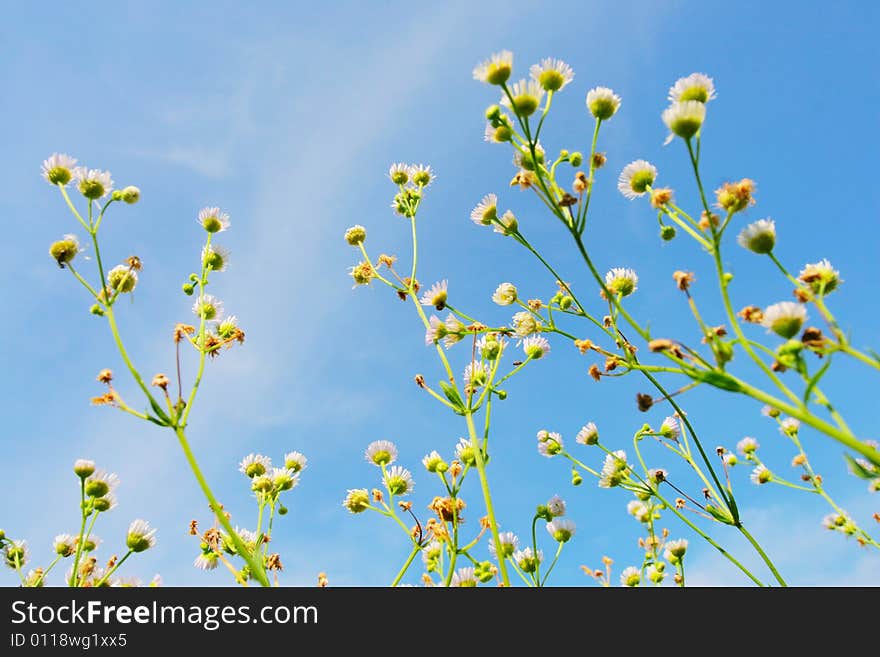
549, 443
527, 560
227, 327
100, 483
789, 426
436, 331
464, 451
524, 160
475, 374
58, 168
213, 220
761, 475
505, 294
588, 435
283, 479
398, 480
216, 256
16, 553
602, 102
254, 465
431, 551
508, 224
622, 281
496, 69
758, 237
561, 529
90, 543
421, 174
696, 86
381, 452
399, 173
485, 211
730, 459
556, 506
246, 535
631, 577
455, 330
552, 74
92, 183
83, 467
747, 445
509, 543
527, 96
436, 295
675, 550
670, 428
613, 469
140, 536
656, 576
432, 461
684, 119
784, 318
536, 347
638, 509
206, 561
490, 347
635, 178
821, 276
122, 278
493, 135
464, 577
209, 307
64, 545
295, 461
524, 323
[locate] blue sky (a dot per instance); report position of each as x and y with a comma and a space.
288, 118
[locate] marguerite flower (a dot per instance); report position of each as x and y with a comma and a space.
381, 452
789, 426
16, 554
486, 211
507, 224
122, 278
464, 452
761, 475
436, 295
100, 483
455, 330
561, 529
213, 219
552, 74
696, 86
64, 545
92, 183
638, 509
83, 467
536, 347
421, 174
217, 257
556, 506
631, 577
505, 294
206, 561
295, 461
254, 465
140, 536
398, 480
209, 307
434, 462
675, 550
670, 428
635, 178
784, 318
357, 500
464, 577
509, 543
758, 237
399, 173
475, 374
58, 168
684, 119
613, 469
588, 435
527, 96
622, 281
435, 332
747, 445
602, 102
549, 443
524, 323
496, 69
527, 560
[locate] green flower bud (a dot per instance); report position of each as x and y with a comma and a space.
97, 310
565, 302
131, 195
576, 478
188, 289
282, 510
667, 233
102, 504
97, 488
116, 195
493, 113
502, 394
576, 159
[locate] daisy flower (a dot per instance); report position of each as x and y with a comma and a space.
552, 74
747, 445
122, 278
761, 475
381, 452
670, 428
436, 331
464, 577
216, 257
622, 281
635, 178
486, 211
602, 102
83, 467
561, 529
432, 461
254, 465
549, 443
820, 276
496, 69
207, 561
509, 543
475, 374
357, 500
213, 220
64, 545
399, 173
140, 536
464, 451
295, 461
524, 323
209, 307
16, 554
527, 560
588, 435
536, 347
421, 174
527, 96
507, 224
684, 119
92, 183
556, 506
505, 294
758, 237
675, 550
455, 330
630, 577
100, 483
784, 318
436, 295
58, 168
696, 86
398, 480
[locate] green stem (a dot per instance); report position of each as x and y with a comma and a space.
82, 529
763, 554
406, 565
256, 567
552, 563
113, 569
46, 572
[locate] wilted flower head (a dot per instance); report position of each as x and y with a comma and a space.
357, 500
527, 96
524, 323
561, 529
398, 480
635, 178
509, 543
58, 168
784, 318
65, 250
486, 211
621, 281
758, 237
684, 119
536, 347
552, 74
213, 219
505, 294
588, 435
254, 465
356, 235
556, 506
496, 69
140, 536
602, 102
696, 86
820, 276
92, 183
736, 196
381, 452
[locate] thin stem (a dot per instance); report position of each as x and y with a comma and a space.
82, 529
553, 563
113, 569
763, 554
406, 565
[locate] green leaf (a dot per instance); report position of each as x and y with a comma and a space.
858, 469
453, 397
814, 381
717, 379
721, 515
